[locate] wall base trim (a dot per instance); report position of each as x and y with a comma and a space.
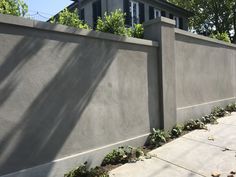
61, 166
196, 111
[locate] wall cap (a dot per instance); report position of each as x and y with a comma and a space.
162, 20
200, 37
23, 22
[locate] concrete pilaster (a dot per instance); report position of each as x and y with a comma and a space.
162, 30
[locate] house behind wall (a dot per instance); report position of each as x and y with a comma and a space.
145, 10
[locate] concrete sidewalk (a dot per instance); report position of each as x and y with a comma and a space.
199, 153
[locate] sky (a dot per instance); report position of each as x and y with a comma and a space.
43, 9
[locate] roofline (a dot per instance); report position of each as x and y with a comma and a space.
187, 12
164, 2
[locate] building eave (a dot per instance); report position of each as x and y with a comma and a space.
174, 7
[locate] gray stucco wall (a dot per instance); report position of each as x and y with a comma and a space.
205, 74
65, 92
68, 96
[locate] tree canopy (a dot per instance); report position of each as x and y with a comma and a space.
13, 7
211, 16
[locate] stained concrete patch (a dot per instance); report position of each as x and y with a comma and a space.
198, 157
151, 168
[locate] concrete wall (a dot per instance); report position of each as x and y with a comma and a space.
162, 30
69, 96
205, 74
196, 72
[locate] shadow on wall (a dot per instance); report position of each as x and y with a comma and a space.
51, 117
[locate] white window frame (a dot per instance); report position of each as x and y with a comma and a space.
176, 21
157, 11
132, 3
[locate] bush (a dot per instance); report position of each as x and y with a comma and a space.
114, 23
219, 112
209, 119
194, 124
231, 107
98, 172
82, 171
13, 7
122, 155
158, 138
176, 131
137, 31
221, 36
70, 19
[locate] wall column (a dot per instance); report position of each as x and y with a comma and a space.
162, 30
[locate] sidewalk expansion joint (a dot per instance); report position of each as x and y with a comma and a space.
221, 147
180, 166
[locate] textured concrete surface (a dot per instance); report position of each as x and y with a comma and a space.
151, 168
191, 155
162, 30
59, 167
205, 74
65, 92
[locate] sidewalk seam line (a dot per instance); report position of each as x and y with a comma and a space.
180, 166
208, 144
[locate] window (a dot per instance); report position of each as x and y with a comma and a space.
171, 16
181, 23
176, 21
154, 13
163, 13
157, 13
81, 14
97, 12
134, 9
